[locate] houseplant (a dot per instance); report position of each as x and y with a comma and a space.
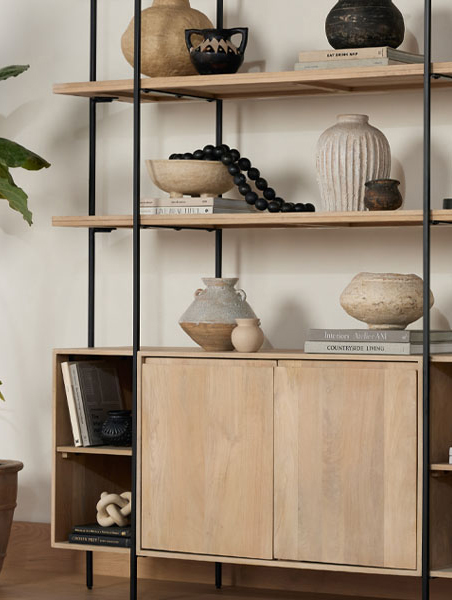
12, 155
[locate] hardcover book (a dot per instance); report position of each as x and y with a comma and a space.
73, 417
99, 530
345, 64
195, 210
395, 348
191, 201
374, 335
100, 540
360, 53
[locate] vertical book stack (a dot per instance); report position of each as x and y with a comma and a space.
92, 389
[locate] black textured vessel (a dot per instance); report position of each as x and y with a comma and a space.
364, 24
216, 54
117, 428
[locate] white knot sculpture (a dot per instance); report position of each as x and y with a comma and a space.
113, 509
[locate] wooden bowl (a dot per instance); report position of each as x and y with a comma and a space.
190, 177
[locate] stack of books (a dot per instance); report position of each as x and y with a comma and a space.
92, 389
357, 57
96, 535
193, 206
371, 341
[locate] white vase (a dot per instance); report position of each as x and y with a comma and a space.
349, 154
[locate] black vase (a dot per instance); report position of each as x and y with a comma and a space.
364, 24
117, 428
216, 54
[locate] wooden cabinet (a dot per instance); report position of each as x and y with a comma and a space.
207, 456
346, 463
292, 461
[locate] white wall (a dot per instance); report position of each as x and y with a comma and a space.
293, 278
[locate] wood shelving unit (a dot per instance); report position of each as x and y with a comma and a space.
357, 80
108, 450
402, 218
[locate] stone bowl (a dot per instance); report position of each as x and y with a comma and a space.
190, 177
384, 300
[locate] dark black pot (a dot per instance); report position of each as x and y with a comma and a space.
382, 194
364, 24
117, 428
216, 54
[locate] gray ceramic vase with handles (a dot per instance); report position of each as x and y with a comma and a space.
211, 317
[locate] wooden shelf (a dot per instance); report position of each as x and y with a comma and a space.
90, 547
113, 450
441, 467
265, 85
400, 218
445, 573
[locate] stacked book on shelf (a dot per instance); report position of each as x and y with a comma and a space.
96, 535
371, 341
356, 57
193, 206
92, 389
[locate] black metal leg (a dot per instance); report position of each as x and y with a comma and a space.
218, 575
89, 570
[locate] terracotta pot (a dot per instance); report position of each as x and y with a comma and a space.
384, 300
364, 24
163, 49
383, 194
247, 336
211, 317
349, 154
8, 496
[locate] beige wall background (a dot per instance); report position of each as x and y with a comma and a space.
293, 278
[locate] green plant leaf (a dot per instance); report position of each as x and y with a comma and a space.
14, 155
1, 395
12, 71
16, 197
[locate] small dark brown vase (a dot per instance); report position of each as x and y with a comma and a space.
382, 194
117, 428
364, 24
216, 54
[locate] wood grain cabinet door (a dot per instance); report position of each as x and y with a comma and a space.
207, 456
346, 463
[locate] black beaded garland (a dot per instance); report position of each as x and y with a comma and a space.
261, 204
269, 194
244, 189
240, 179
261, 184
233, 169
251, 198
254, 173
245, 164
235, 164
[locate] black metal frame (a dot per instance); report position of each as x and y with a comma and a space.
427, 223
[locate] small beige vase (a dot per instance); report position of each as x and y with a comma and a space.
247, 336
163, 49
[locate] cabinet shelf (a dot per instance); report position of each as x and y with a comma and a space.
110, 450
402, 218
441, 467
356, 80
90, 548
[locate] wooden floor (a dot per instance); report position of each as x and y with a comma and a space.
46, 586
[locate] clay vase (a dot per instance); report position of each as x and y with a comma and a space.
382, 194
216, 54
349, 154
211, 317
117, 428
384, 300
247, 336
364, 24
163, 50
8, 496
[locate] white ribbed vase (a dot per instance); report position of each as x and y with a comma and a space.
349, 154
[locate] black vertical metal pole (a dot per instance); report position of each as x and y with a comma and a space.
91, 211
92, 174
219, 232
136, 282
426, 274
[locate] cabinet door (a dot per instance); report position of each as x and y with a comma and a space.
346, 463
207, 456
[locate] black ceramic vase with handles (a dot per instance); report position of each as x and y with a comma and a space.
117, 428
364, 24
216, 54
